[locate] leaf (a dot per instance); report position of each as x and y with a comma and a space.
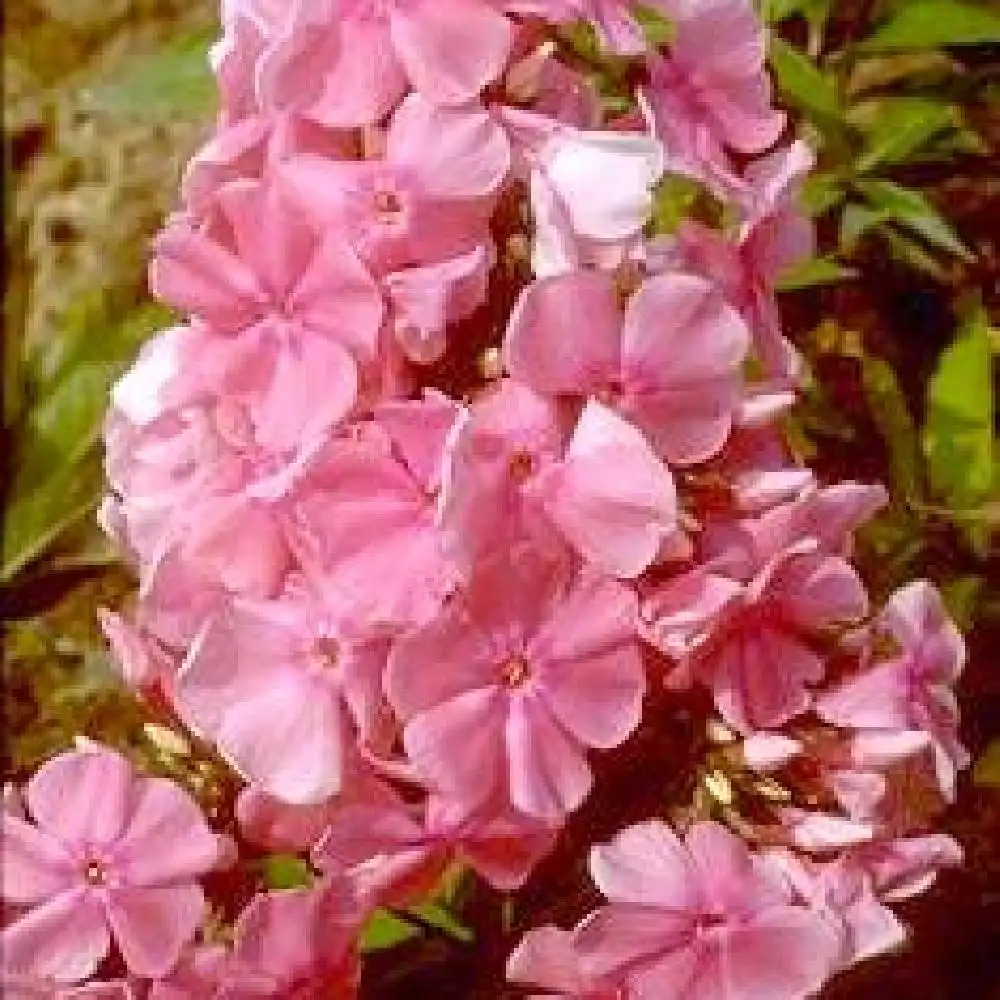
174, 81
896, 129
443, 919
987, 770
913, 211
803, 82
929, 24
958, 437
813, 272
56, 481
385, 930
821, 192
891, 414
286, 871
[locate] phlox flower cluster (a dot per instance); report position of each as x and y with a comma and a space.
455, 463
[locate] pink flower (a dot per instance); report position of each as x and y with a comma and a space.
741, 622
773, 235
114, 854
911, 691
541, 668
711, 93
279, 689
511, 474
292, 945
395, 853
560, 963
426, 200
564, 166
447, 50
702, 919
671, 364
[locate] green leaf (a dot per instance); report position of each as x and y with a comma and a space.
286, 871
822, 191
174, 81
56, 479
385, 930
911, 210
927, 24
896, 129
442, 918
958, 437
891, 414
813, 272
987, 770
803, 82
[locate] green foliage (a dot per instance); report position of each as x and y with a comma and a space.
923, 24
286, 871
804, 83
56, 477
175, 81
959, 438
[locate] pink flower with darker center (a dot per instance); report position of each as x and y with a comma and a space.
113, 855
541, 667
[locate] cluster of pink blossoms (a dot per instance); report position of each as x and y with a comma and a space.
453, 460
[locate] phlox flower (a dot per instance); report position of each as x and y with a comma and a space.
541, 667
513, 470
111, 854
701, 918
670, 364
912, 690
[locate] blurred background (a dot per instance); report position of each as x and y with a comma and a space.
898, 316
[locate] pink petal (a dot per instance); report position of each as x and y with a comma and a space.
546, 347
450, 152
618, 523
648, 865
364, 81
784, 953
33, 865
82, 797
549, 776
450, 48
289, 739
64, 939
152, 924
456, 745
682, 348
166, 838
592, 678
875, 699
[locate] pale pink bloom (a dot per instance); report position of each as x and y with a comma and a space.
447, 50
564, 167
365, 530
541, 667
114, 855
264, 264
557, 961
912, 690
512, 472
395, 853
274, 56
907, 866
702, 918
711, 94
844, 892
427, 200
280, 690
743, 621
670, 364
774, 235
292, 945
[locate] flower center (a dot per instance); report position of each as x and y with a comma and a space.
95, 873
388, 205
521, 466
514, 671
326, 651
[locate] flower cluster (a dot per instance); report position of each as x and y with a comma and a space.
458, 458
